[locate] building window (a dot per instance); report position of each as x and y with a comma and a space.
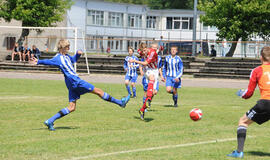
179, 23
135, 21
134, 44
151, 22
115, 44
115, 19
94, 42
95, 17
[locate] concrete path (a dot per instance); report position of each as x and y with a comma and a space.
187, 81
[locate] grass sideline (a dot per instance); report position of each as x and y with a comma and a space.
99, 127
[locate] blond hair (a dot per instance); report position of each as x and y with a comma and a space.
130, 48
62, 44
265, 53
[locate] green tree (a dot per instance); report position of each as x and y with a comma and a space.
237, 19
34, 13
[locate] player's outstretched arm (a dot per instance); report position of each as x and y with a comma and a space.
139, 62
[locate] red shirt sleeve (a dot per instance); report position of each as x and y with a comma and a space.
253, 81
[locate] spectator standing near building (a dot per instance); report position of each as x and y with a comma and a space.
213, 51
161, 46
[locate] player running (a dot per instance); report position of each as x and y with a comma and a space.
145, 81
260, 113
75, 85
131, 69
151, 74
172, 73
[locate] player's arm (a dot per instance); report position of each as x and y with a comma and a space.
180, 70
76, 56
52, 62
164, 70
144, 63
254, 76
125, 64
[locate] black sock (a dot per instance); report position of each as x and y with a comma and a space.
241, 137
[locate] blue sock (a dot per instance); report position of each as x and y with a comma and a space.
134, 91
109, 98
144, 98
128, 89
58, 115
175, 97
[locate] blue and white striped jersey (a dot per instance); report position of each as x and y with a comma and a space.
131, 67
173, 67
159, 62
65, 64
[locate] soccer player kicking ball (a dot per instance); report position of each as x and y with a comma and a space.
75, 85
131, 69
172, 73
151, 74
260, 113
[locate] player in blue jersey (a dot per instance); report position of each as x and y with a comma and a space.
75, 85
172, 73
131, 69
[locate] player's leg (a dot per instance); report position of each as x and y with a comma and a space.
149, 92
133, 82
63, 112
127, 78
260, 113
176, 85
145, 86
109, 98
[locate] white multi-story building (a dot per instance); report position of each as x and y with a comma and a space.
119, 25
116, 26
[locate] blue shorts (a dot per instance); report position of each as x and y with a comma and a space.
145, 82
132, 79
82, 88
171, 82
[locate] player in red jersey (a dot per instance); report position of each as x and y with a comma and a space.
260, 113
151, 73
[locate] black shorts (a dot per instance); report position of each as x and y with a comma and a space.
260, 113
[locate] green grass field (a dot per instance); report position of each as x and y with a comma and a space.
98, 128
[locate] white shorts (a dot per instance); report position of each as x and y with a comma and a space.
154, 72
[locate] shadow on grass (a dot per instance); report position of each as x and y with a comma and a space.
57, 128
172, 106
145, 119
258, 153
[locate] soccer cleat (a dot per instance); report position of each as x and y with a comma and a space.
125, 101
175, 105
49, 125
141, 114
236, 154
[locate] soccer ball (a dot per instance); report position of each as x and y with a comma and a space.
195, 114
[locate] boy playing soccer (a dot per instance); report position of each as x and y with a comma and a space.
260, 113
172, 73
151, 63
75, 85
131, 69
